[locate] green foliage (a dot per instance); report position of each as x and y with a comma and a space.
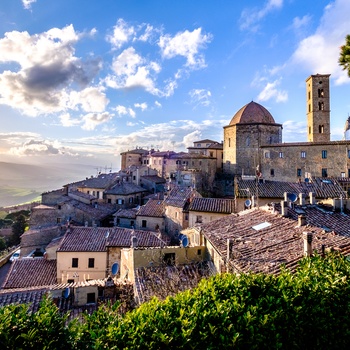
3, 244
344, 58
18, 228
305, 310
22, 329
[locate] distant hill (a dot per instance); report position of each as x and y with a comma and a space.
20, 183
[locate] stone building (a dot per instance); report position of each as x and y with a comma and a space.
253, 142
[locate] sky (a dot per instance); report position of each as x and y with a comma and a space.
82, 81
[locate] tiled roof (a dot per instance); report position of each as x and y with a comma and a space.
126, 213
318, 216
205, 141
178, 196
81, 194
153, 208
276, 189
154, 178
102, 181
136, 151
125, 188
163, 281
98, 212
30, 272
308, 144
121, 237
96, 239
266, 249
213, 205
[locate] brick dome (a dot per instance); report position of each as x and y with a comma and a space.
252, 113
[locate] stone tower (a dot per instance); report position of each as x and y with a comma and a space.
318, 108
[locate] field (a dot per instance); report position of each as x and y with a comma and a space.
14, 196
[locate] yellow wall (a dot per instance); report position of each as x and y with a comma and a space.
65, 271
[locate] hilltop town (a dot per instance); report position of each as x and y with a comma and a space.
168, 219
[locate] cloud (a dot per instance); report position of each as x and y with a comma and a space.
300, 23
35, 148
250, 17
68, 121
294, 131
28, 3
200, 97
157, 104
319, 52
186, 44
91, 99
122, 33
132, 71
122, 110
143, 106
48, 69
270, 91
92, 120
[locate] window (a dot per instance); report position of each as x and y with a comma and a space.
169, 259
321, 129
309, 129
247, 141
349, 153
132, 222
299, 172
309, 108
58, 220
321, 106
303, 154
272, 172
342, 174
267, 154
199, 252
75, 262
144, 223
211, 154
324, 172
109, 200
309, 95
229, 142
131, 200
324, 154
90, 298
199, 219
91, 262
199, 145
98, 194
59, 207
281, 154
320, 93
120, 201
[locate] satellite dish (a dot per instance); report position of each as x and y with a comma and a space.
184, 241
66, 292
248, 203
306, 180
115, 268
292, 197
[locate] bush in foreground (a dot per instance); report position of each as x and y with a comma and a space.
305, 310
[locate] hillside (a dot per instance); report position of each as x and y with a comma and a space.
20, 183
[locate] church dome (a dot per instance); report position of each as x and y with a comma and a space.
252, 113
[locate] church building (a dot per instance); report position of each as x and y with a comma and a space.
253, 142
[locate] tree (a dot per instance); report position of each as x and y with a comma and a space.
344, 59
18, 229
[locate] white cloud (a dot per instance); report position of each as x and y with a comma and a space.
92, 120
47, 70
157, 104
122, 33
294, 131
319, 52
200, 97
143, 106
36, 147
190, 138
68, 121
122, 110
300, 23
270, 91
250, 17
131, 71
27, 3
186, 44
91, 99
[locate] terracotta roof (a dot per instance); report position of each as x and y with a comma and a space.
29, 272
322, 217
126, 213
153, 208
213, 205
276, 189
308, 144
205, 141
125, 188
121, 237
252, 113
265, 248
136, 151
81, 194
96, 239
154, 178
25, 296
178, 196
102, 181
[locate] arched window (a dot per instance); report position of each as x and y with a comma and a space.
247, 141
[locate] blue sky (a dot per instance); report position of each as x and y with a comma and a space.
82, 81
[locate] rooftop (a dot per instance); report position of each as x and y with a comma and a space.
153, 208
213, 205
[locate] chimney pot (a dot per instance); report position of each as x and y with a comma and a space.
307, 236
301, 198
284, 208
229, 249
301, 220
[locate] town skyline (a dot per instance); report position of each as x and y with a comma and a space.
83, 83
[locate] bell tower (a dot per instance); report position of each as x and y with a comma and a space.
318, 108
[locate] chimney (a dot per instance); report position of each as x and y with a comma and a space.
301, 220
133, 241
307, 237
312, 198
284, 208
229, 249
286, 196
253, 202
301, 198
